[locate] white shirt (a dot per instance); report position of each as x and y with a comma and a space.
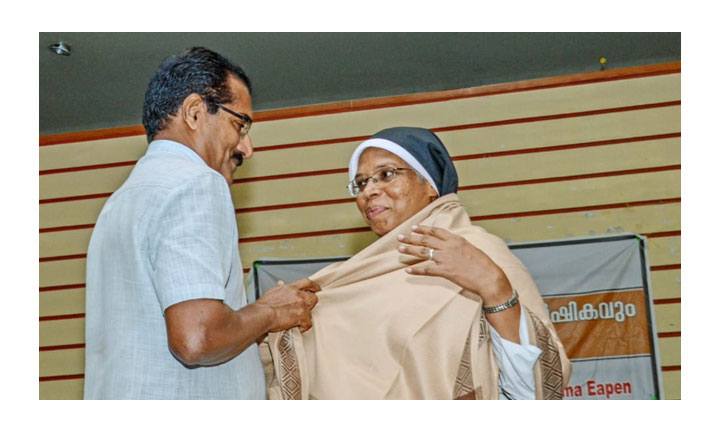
168, 235
516, 362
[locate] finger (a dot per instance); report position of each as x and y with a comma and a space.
437, 232
309, 298
424, 269
422, 252
310, 285
420, 240
306, 284
305, 324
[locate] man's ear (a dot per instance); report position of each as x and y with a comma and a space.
192, 111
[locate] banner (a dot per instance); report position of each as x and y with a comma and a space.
597, 293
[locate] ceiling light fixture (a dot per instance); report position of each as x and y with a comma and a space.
60, 48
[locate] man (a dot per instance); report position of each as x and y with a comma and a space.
166, 311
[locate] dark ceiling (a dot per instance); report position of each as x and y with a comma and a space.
101, 85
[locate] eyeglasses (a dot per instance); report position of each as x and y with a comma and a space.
247, 121
387, 174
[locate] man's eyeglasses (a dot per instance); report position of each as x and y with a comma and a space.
386, 175
247, 121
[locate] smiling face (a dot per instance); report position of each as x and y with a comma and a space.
222, 146
384, 206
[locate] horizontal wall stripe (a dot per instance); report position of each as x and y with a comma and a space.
573, 209
374, 103
65, 228
665, 267
668, 334
62, 287
292, 175
63, 257
296, 205
62, 347
73, 137
62, 317
567, 146
666, 301
670, 368
303, 234
557, 116
662, 234
62, 377
572, 177
88, 167
312, 143
75, 198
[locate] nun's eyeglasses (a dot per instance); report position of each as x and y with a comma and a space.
383, 175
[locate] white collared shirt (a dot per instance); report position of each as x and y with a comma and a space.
168, 235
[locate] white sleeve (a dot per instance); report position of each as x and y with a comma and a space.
516, 363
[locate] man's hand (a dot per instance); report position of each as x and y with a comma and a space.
207, 332
291, 304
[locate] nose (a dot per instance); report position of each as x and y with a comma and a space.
372, 188
245, 146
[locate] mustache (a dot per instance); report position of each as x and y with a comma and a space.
239, 157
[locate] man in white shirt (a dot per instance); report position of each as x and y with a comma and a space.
166, 311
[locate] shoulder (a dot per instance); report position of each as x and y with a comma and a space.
173, 173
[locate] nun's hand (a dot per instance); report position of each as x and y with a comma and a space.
452, 257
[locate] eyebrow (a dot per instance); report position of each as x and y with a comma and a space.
377, 167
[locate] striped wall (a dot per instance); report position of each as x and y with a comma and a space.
562, 157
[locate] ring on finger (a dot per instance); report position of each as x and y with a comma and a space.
431, 253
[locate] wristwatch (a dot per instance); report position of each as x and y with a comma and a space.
501, 307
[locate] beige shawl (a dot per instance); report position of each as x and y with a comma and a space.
381, 333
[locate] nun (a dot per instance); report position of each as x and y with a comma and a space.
435, 308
